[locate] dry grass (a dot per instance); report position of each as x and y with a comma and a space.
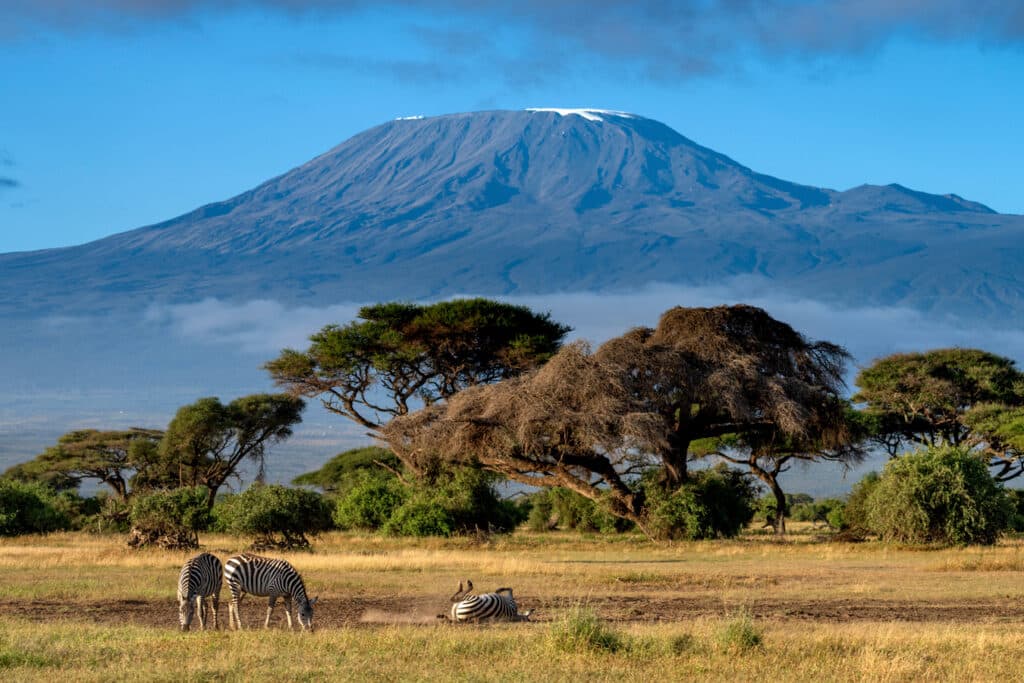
822, 611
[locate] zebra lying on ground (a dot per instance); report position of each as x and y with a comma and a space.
499, 606
271, 578
200, 578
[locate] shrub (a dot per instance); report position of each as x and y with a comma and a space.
28, 508
558, 507
1016, 497
277, 516
168, 519
853, 518
827, 511
370, 500
454, 501
939, 495
713, 503
420, 518
344, 471
80, 512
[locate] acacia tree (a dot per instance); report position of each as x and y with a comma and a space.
115, 458
207, 440
591, 421
768, 454
398, 355
957, 397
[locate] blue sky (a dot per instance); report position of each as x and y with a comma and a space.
119, 113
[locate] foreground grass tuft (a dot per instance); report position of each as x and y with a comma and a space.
581, 629
739, 634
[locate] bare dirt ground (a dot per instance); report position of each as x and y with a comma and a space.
334, 612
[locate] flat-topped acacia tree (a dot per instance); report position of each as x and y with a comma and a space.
117, 458
398, 356
592, 421
956, 396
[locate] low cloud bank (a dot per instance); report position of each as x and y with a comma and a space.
266, 327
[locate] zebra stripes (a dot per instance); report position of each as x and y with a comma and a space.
498, 606
200, 578
270, 578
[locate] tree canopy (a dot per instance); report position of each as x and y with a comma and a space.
115, 458
592, 421
952, 396
399, 355
207, 440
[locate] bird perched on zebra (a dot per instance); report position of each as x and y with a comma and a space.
498, 606
271, 578
200, 578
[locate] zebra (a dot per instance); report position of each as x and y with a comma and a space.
268, 577
200, 578
499, 606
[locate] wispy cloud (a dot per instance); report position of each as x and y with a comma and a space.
8, 183
660, 39
400, 70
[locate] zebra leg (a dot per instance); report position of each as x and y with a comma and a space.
288, 611
201, 609
234, 612
270, 610
215, 602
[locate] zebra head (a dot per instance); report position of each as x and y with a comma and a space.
305, 613
523, 616
462, 594
186, 611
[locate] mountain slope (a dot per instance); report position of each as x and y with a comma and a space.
532, 202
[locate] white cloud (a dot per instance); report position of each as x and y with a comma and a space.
868, 333
259, 326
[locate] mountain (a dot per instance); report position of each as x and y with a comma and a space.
537, 201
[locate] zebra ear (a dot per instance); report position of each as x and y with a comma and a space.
313, 601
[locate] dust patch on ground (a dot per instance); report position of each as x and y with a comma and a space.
338, 611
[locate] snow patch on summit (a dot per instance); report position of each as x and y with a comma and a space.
588, 114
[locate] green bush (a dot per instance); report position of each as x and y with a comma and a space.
168, 519
420, 518
454, 501
826, 511
29, 508
853, 518
713, 503
1016, 497
561, 508
799, 507
277, 516
369, 501
344, 471
80, 512
939, 495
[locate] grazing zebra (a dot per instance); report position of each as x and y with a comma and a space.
200, 578
271, 578
499, 606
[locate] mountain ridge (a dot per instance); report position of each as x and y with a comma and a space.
535, 201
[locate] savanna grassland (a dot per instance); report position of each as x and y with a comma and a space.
84, 607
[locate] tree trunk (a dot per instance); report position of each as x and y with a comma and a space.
780, 507
674, 461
